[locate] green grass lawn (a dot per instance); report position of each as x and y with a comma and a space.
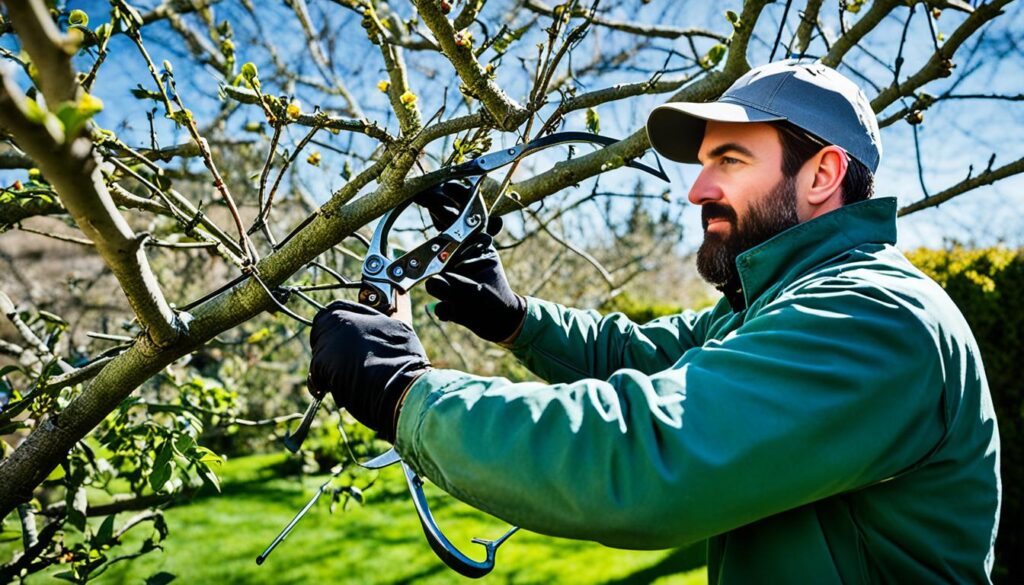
216, 538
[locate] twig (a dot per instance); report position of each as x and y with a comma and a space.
11, 312
664, 32
251, 255
782, 26
987, 177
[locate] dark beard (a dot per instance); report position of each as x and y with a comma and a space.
770, 215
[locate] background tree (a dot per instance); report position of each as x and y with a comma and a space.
216, 166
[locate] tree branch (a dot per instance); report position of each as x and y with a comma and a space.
42, 351
73, 170
648, 30
808, 21
331, 122
507, 113
50, 50
867, 23
940, 64
986, 178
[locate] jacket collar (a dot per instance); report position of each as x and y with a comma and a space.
793, 252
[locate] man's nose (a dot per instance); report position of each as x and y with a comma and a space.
705, 189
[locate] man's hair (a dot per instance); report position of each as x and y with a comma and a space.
799, 145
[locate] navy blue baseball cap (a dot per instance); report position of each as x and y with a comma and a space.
809, 95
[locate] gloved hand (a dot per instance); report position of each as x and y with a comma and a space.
366, 360
473, 290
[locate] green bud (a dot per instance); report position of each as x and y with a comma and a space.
593, 121
249, 71
78, 18
104, 31
713, 56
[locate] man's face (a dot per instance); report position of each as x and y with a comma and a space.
745, 199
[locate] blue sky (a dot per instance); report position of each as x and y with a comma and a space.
955, 135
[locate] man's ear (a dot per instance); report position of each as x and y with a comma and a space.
829, 167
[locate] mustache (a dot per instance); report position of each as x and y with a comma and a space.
712, 210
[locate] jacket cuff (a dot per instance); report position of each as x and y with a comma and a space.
424, 392
530, 327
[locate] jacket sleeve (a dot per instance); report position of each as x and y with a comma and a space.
808, 399
560, 344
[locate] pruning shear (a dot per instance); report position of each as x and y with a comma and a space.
384, 279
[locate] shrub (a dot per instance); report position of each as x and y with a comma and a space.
987, 284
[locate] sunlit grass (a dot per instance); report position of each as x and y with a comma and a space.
217, 538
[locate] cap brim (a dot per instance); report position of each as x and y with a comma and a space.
676, 130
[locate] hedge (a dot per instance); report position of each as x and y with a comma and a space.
987, 284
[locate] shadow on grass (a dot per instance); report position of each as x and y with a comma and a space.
681, 561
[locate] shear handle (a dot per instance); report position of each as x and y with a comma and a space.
443, 548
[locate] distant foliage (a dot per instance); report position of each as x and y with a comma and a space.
987, 284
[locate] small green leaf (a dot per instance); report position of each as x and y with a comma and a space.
78, 18
258, 336
57, 473
74, 115
48, 316
104, 31
106, 532
159, 477
713, 56
161, 578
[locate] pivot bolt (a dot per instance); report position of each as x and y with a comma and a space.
397, 271
414, 263
372, 297
435, 247
473, 220
373, 264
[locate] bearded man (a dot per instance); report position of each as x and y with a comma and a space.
828, 421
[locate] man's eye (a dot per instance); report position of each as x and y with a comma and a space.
728, 160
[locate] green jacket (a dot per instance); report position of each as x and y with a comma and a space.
834, 426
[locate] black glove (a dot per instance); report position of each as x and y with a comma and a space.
366, 360
473, 290
446, 201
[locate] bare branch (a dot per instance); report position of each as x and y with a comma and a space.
657, 31
940, 64
42, 351
808, 21
623, 91
736, 62
322, 119
867, 23
985, 178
